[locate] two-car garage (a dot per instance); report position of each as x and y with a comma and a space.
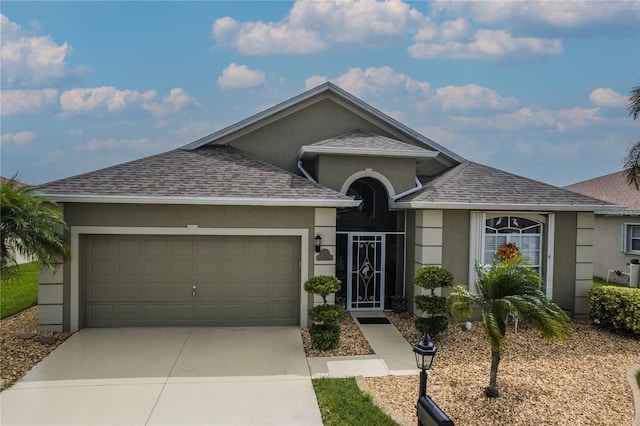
189, 280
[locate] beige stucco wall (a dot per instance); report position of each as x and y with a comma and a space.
607, 247
455, 252
278, 143
564, 271
334, 170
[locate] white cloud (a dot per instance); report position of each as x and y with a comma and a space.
21, 138
526, 118
313, 26
109, 99
470, 96
196, 130
177, 100
26, 101
103, 98
540, 17
76, 132
240, 77
488, 44
608, 98
33, 61
139, 145
382, 81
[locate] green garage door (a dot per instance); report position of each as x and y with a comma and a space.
157, 280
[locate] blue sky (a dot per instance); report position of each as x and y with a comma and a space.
534, 88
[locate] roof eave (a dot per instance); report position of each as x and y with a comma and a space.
312, 151
498, 206
209, 201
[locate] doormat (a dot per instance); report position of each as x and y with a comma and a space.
373, 320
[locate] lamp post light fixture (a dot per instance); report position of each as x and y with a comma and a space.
316, 242
425, 352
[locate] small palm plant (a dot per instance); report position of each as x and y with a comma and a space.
508, 286
31, 226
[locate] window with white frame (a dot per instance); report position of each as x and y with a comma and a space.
631, 237
525, 233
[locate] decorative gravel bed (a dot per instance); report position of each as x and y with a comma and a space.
22, 346
352, 342
581, 381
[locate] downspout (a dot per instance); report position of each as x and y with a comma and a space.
417, 188
305, 173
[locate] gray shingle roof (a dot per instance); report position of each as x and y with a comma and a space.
358, 142
209, 172
360, 139
612, 188
477, 185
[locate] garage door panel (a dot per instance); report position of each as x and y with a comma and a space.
231, 291
130, 268
129, 247
154, 268
148, 280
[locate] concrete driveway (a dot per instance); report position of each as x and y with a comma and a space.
168, 376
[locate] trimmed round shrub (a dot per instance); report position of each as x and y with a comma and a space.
432, 325
431, 304
322, 285
432, 277
326, 313
325, 336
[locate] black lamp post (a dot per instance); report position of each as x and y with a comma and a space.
317, 240
425, 352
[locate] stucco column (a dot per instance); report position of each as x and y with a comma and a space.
50, 299
584, 263
324, 263
428, 245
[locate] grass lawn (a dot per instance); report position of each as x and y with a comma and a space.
21, 293
343, 403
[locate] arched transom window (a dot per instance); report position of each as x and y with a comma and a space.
525, 233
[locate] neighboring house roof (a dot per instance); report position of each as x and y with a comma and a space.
612, 188
321, 92
207, 175
365, 144
473, 185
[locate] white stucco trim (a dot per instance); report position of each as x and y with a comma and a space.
497, 206
369, 173
207, 201
551, 235
312, 150
76, 231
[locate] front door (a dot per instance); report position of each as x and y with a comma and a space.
365, 275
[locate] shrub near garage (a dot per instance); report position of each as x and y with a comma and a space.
325, 332
615, 308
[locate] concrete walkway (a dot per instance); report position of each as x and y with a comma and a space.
168, 376
393, 354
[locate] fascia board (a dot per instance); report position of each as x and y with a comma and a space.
311, 151
210, 201
497, 206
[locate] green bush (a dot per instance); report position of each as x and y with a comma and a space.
322, 285
432, 277
615, 308
431, 304
326, 313
325, 336
432, 325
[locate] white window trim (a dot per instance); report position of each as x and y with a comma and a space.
625, 246
76, 231
477, 235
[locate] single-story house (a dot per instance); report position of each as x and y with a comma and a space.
616, 232
225, 230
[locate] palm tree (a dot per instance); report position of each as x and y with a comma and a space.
632, 160
30, 225
508, 287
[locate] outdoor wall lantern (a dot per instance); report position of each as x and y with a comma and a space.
425, 352
316, 242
